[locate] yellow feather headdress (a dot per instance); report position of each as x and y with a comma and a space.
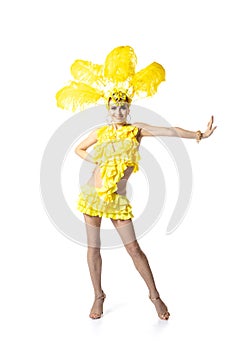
115, 79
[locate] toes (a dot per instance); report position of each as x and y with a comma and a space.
94, 315
164, 316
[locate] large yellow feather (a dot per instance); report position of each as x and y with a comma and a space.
146, 81
87, 72
77, 96
120, 64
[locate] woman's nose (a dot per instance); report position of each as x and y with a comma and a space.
118, 111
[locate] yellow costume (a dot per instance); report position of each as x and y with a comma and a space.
115, 151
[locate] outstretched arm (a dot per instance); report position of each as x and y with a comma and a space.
152, 130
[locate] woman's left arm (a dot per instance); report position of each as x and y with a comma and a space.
152, 130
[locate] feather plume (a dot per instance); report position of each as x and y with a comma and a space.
77, 96
120, 64
146, 81
87, 72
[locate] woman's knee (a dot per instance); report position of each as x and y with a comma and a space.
93, 252
134, 249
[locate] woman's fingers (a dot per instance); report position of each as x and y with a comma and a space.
210, 122
210, 130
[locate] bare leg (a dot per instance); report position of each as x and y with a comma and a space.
94, 261
126, 231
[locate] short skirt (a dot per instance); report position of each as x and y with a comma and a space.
89, 202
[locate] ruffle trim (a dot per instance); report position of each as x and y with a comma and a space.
89, 202
118, 150
111, 173
115, 150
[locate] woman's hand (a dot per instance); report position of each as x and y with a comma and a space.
209, 131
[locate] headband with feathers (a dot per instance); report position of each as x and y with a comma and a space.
116, 79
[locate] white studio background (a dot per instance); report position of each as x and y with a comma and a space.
46, 292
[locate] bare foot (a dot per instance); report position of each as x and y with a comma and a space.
161, 308
97, 307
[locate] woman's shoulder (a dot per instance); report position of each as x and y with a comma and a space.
139, 125
144, 129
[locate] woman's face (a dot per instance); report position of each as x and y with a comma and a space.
118, 112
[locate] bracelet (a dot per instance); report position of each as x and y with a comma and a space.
199, 136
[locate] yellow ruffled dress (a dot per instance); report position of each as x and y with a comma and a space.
115, 151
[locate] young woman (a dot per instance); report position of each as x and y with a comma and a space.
116, 155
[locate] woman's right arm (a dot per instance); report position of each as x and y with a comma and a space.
81, 149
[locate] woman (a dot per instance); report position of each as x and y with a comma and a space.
116, 155
120, 215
